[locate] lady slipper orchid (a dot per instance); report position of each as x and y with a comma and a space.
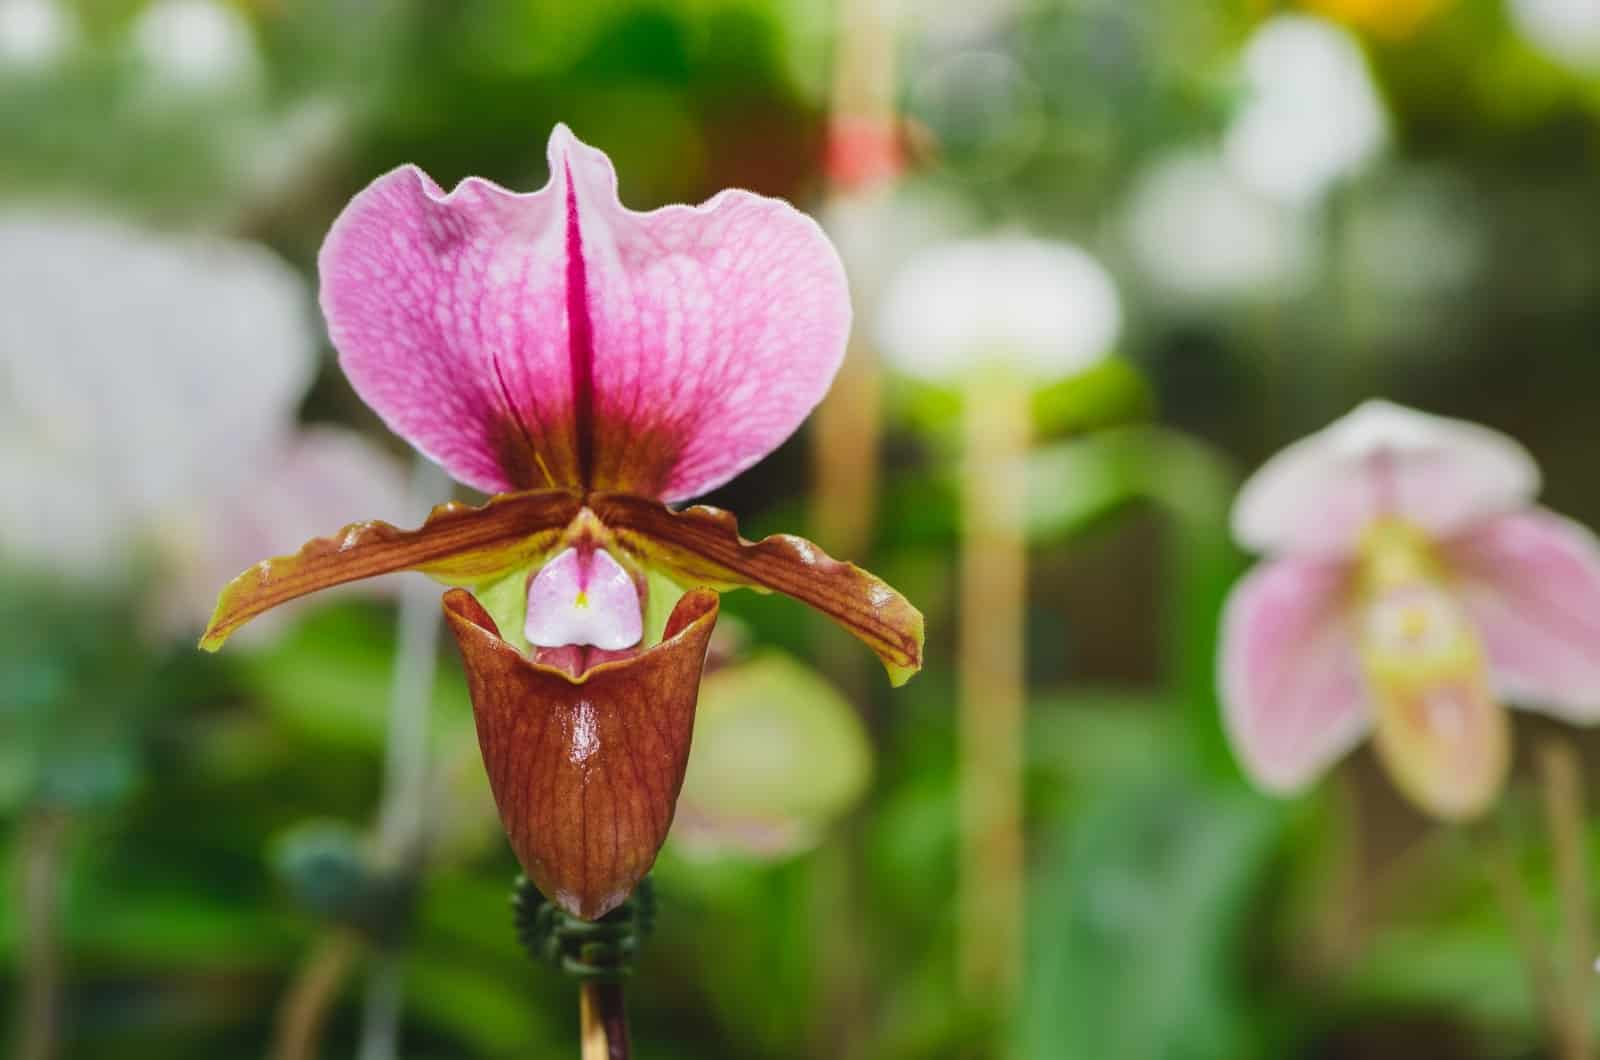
587, 365
1412, 589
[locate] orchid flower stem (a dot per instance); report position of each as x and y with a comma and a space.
1562, 785
598, 953
603, 1021
42, 850
402, 816
305, 1007
992, 630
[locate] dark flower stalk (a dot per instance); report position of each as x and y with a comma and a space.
603, 1022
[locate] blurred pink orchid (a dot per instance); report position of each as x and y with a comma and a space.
587, 365
1411, 587
135, 437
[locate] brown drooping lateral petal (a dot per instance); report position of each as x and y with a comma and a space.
586, 771
458, 543
702, 545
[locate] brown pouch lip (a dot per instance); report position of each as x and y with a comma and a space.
585, 771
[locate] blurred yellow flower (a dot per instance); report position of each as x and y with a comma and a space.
1390, 19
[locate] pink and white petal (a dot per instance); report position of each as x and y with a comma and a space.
450, 315
559, 339
1531, 583
1383, 460
1289, 672
716, 329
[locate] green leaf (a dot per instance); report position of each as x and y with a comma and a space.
1139, 921
330, 678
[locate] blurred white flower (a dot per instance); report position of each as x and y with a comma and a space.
1568, 31
953, 24
148, 393
34, 34
196, 45
1199, 233
1048, 309
874, 234
1312, 116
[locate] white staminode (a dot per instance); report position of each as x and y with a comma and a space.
196, 44
1312, 116
34, 34
1566, 30
583, 599
1048, 309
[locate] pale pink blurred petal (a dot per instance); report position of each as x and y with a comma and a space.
322, 477
1382, 460
1290, 680
137, 371
1531, 583
556, 337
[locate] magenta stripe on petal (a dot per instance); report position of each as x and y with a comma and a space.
1531, 583
1289, 672
558, 338
581, 331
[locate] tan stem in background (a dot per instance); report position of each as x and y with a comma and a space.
603, 1024
1562, 784
41, 850
848, 427
316, 985
847, 436
992, 608
848, 430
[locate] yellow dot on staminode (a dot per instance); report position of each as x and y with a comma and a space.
582, 600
